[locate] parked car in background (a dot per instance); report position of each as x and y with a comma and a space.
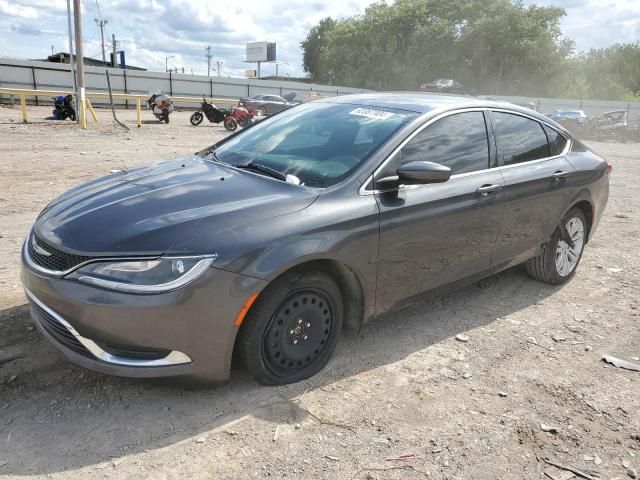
270, 242
267, 104
577, 116
443, 85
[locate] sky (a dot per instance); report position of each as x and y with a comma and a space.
151, 30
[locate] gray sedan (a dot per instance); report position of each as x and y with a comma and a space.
266, 104
266, 245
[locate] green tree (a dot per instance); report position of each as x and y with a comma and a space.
312, 45
487, 44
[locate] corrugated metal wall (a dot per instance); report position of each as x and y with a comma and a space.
45, 75
590, 107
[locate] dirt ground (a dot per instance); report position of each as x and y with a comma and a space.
473, 407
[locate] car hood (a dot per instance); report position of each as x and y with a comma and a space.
155, 209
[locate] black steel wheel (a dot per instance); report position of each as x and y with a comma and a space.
298, 331
292, 329
196, 118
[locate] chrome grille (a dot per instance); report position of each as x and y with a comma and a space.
50, 258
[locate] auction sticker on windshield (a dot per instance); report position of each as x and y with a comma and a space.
371, 113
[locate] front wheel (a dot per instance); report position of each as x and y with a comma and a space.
196, 118
230, 124
560, 256
292, 329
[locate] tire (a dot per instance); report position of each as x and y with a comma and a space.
261, 111
230, 124
165, 117
292, 330
196, 118
548, 266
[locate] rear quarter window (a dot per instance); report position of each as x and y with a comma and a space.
557, 141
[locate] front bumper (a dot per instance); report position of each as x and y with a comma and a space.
188, 331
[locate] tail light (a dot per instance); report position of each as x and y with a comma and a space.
609, 168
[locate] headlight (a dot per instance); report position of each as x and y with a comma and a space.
144, 276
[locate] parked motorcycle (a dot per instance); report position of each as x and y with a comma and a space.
239, 116
63, 108
213, 113
161, 105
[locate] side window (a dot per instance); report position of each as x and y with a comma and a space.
557, 141
458, 141
520, 139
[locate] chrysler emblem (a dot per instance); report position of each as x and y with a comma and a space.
39, 250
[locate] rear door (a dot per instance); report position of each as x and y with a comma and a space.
432, 235
535, 170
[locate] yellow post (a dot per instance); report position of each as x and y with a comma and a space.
23, 104
91, 110
83, 114
138, 112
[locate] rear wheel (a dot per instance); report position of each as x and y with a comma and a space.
165, 116
560, 256
293, 328
261, 110
196, 118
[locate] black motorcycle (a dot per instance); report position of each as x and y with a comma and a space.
213, 113
63, 108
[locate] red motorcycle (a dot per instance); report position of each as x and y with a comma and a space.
239, 116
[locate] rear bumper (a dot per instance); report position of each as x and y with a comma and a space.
189, 331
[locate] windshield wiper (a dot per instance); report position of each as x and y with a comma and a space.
214, 156
259, 167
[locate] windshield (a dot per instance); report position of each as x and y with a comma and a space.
319, 143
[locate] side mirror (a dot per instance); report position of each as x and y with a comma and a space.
417, 173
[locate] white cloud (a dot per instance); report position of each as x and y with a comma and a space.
150, 30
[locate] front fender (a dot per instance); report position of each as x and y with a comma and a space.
344, 232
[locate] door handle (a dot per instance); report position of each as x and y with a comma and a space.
560, 175
488, 189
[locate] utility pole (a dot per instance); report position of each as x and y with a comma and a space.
115, 51
73, 70
219, 63
208, 60
101, 23
166, 62
52, 50
77, 14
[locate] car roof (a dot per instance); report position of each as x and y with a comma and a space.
422, 102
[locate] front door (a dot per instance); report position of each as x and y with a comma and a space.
432, 235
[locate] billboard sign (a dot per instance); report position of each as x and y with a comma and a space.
261, 52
